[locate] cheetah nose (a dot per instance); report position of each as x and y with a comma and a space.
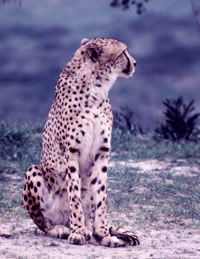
135, 63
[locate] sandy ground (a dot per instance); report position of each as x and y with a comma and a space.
20, 239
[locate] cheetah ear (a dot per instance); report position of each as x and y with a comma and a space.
93, 52
84, 41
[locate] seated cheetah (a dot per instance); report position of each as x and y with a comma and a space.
66, 194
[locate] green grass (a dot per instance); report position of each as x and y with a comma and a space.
148, 197
126, 146
20, 146
162, 197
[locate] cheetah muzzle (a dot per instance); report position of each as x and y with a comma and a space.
66, 194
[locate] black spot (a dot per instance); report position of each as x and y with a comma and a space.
35, 189
30, 169
72, 169
78, 141
105, 140
30, 202
76, 187
27, 207
104, 169
74, 214
82, 132
73, 150
31, 185
96, 157
103, 131
25, 198
34, 207
38, 184
70, 189
94, 181
34, 174
52, 180
104, 149
99, 205
103, 188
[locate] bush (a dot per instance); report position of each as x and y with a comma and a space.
180, 121
124, 121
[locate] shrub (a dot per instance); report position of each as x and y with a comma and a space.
124, 121
180, 121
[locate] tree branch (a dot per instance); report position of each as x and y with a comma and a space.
196, 13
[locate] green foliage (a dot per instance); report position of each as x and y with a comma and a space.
20, 145
180, 121
124, 121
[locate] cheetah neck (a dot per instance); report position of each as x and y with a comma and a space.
101, 85
93, 86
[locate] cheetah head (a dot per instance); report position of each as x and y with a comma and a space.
108, 56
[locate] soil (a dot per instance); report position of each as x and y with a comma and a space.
22, 240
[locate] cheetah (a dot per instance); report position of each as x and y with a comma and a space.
66, 194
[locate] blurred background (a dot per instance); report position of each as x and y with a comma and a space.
37, 38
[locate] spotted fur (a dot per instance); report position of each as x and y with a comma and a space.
66, 194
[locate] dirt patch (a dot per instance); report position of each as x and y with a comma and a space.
22, 240
154, 165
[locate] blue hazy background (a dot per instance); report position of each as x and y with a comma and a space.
37, 38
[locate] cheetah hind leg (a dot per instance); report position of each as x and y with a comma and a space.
127, 237
34, 188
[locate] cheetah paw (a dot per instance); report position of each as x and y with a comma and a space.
126, 236
110, 241
79, 236
58, 231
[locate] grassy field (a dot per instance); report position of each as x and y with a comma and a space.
151, 184
160, 192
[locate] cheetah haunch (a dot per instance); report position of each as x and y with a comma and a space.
66, 194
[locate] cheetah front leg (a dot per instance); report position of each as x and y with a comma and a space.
98, 197
79, 233
112, 237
